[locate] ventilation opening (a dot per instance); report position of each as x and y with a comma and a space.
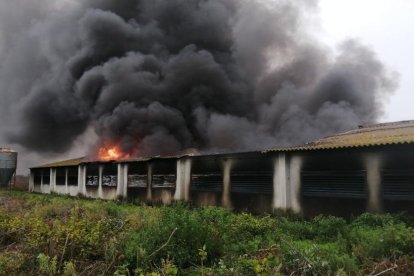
60, 176
73, 176
252, 182
92, 175
110, 175
163, 180
398, 184
212, 182
137, 176
46, 176
342, 184
37, 176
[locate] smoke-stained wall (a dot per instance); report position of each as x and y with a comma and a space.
158, 77
343, 182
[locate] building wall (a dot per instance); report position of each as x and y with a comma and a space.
162, 195
206, 183
372, 162
73, 190
60, 189
310, 182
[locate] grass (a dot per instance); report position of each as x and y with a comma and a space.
58, 235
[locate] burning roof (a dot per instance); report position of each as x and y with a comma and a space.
366, 136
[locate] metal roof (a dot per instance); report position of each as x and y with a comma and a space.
86, 160
65, 163
365, 136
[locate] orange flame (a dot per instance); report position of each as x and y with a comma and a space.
111, 152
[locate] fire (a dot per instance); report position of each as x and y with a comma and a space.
111, 152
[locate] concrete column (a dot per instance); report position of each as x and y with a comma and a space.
183, 182
100, 192
179, 187
280, 182
52, 180
187, 178
82, 180
125, 176
84, 168
80, 173
31, 181
287, 182
372, 166
120, 181
66, 181
149, 181
226, 198
294, 198
41, 182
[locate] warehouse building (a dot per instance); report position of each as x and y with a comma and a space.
367, 169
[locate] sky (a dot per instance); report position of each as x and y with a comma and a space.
387, 26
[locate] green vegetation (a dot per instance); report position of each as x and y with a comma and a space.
56, 235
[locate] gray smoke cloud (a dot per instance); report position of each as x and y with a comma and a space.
162, 76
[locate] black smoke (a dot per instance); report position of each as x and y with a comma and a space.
162, 76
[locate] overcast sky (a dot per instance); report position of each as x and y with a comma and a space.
388, 27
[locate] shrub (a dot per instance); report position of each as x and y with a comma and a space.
246, 233
307, 257
388, 241
5, 235
218, 217
269, 265
47, 265
114, 210
109, 238
328, 228
375, 220
178, 236
321, 228
246, 226
12, 262
69, 269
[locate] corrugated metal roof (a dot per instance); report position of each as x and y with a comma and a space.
365, 136
85, 160
372, 135
65, 163
157, 157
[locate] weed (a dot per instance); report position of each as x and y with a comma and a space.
55, 235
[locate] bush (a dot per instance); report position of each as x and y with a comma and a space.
307, 257
43, 234
12, 262
388, 241
374, 236
268, 265
328, 229
246, 226
246, 233
321, 228
178, 236
375, 220
47, 265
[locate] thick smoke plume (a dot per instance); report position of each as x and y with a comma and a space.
162, 76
